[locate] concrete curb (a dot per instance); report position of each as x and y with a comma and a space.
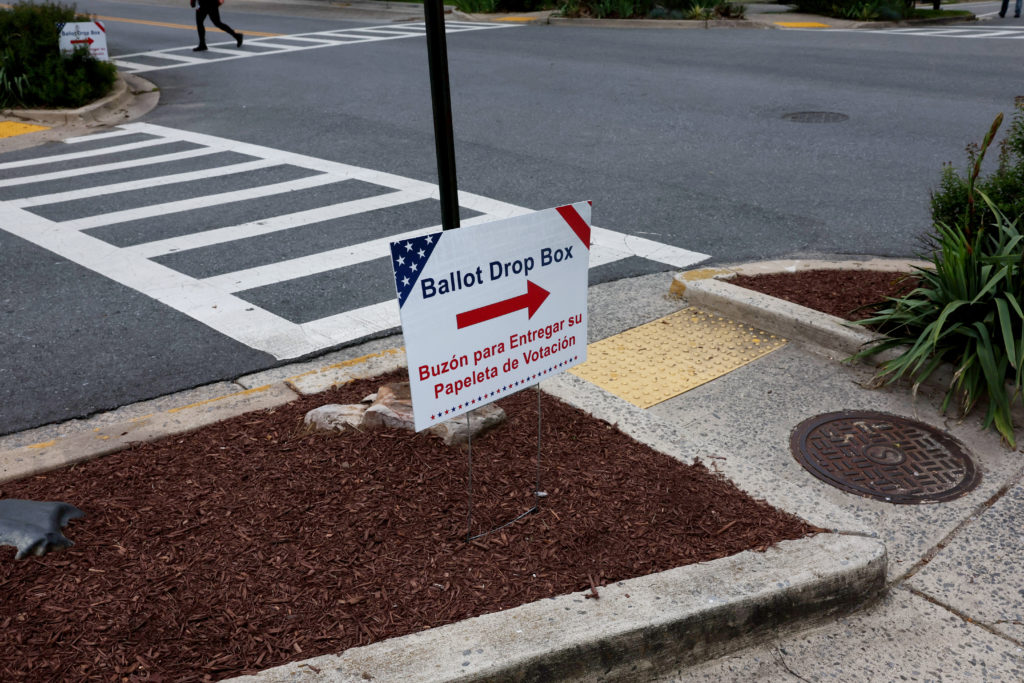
658, 23
635, 629
127, 89
709, 288
87, 444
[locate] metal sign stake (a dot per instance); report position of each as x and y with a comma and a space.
440, 95
538, 493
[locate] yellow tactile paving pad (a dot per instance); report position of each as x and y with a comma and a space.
9, 129
654, 362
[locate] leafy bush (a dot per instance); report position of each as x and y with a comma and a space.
490, 6
653, 9
477, 6
34, 73
860, 10
730, 10
953, 204
967, 311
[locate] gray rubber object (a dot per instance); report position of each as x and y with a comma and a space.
34, 527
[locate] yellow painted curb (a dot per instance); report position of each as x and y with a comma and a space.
800, 24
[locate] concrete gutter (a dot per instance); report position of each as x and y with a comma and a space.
635, 628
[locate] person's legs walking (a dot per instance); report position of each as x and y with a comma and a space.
200, 18
215, 18
1016, 9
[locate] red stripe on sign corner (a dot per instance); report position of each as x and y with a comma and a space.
100, 25
576, 222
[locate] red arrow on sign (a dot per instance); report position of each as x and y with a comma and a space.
534, 297
87, 40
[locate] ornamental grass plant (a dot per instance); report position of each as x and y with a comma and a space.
967, 310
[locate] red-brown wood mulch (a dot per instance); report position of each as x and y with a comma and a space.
252, 542
842, 293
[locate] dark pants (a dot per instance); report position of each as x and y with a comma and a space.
1016, 7
212, 10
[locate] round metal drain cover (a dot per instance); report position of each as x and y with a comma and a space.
884, 456
815, 117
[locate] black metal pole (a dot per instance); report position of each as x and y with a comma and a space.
440, 94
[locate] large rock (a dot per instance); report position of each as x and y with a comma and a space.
456, 431
391, 408
336, 417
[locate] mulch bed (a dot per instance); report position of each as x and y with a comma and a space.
848, 294
253, 542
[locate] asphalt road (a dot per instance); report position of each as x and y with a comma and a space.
680, 137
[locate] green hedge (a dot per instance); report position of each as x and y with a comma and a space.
33, 73
952, 203
860, 10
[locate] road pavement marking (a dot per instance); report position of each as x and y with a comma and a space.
71, 156
202, 202
113, 166
265, 226
212, 301
97, 137
164, 24
1002, 32
142, 184
172, 58
800, 24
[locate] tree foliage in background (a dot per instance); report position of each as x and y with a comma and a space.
33, 73
968, 309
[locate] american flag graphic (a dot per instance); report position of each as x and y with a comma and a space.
408, 258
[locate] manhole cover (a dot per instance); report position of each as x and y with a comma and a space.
815, 117
884, 456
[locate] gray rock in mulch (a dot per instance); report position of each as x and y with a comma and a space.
34, 527
391, 407
457, 431
336, 417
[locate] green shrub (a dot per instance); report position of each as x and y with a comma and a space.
952, 203
968, 310
34, 73
730, 10
653, 9
477, 6
860, 10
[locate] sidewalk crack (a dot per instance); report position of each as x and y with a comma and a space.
777, 654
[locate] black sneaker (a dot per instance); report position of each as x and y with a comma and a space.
200, 48
238, 40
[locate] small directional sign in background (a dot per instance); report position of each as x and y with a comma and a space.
88, 34
492, 309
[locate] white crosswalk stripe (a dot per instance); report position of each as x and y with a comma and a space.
216, 301
173, 58
967, 32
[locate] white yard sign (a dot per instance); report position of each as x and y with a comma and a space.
89, 34
490, 309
